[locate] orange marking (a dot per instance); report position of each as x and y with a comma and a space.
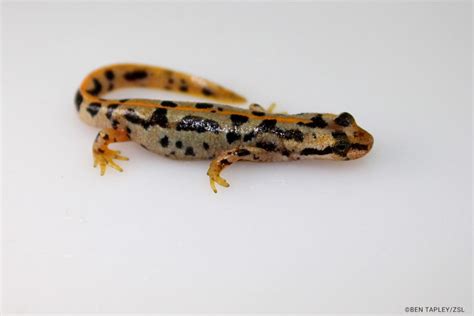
193, 109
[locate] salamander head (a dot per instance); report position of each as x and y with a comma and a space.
335, 137
351, 141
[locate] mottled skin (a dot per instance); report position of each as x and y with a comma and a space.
198, 130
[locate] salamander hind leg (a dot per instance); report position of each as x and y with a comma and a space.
258, 108
227, 158
103, 156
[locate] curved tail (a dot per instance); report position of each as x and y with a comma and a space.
108, 78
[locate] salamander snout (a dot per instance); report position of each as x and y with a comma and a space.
361, 143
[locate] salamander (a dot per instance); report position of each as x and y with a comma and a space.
212, 130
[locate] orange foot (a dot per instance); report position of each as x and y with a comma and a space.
213, 178
105, 157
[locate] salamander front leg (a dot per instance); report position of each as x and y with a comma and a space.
227, 158
103, 156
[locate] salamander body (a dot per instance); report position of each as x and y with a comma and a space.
206, 130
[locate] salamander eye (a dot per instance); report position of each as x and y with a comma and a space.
344, 119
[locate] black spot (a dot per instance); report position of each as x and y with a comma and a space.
109, 74
189, 151
170, 80
159, 118
129, 131
294, 134
111, 86
110, 110
207, 91
249, 136
238, 119
123, 100
232, 137
225, 162
220, 109
285, 152
267, 126
242, 152
164, 142
197, 124
203, 105
267, 146
144, 146
179, 144
338, 135
173, 153
342, 145
205, 145
344, 119
169, 104
93, 108
258, 113
97, 87
316, 121
131, 116
115, 124
135, 75
315, 151
183, 88
358, 146
106, 137
78, 100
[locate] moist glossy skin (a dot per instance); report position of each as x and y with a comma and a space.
198, 130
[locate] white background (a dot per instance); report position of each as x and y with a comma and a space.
374, 235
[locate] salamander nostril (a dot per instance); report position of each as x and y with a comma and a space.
360, 134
